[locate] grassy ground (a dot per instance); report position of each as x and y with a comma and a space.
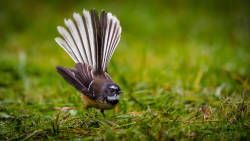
184, 68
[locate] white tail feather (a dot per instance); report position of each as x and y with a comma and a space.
82, 30
71, 26
64, 45
67, 37
110, 38
79, 40
91, 35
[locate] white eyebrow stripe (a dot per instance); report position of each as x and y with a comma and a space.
113, 87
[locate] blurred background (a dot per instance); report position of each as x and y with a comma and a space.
171, 40
198, 50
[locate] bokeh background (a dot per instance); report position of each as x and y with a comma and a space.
174, 58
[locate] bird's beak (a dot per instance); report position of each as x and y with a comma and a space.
120, 92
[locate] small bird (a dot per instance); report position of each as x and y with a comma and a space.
90, 41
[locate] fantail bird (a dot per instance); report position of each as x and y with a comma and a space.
91, 41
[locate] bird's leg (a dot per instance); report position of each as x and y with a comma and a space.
87, 108
102, 111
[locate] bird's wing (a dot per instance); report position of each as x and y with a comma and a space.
80, 77
84, 73
90, 39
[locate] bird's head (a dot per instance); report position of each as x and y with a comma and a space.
111, 93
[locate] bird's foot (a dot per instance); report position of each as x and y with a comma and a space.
102, 111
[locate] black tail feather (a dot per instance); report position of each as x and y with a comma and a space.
99, 28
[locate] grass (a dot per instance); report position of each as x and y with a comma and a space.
184, 68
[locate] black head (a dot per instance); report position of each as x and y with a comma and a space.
111, 93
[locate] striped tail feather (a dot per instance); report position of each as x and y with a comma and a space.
90, 39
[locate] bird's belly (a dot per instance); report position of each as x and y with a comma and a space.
91, 103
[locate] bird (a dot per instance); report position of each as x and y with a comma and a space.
90, 40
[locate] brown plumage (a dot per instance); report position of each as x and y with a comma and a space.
90, 41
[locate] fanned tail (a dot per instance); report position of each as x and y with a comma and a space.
90, 39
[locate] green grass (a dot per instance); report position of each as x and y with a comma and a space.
184, 68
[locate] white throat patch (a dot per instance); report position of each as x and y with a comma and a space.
114, 97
